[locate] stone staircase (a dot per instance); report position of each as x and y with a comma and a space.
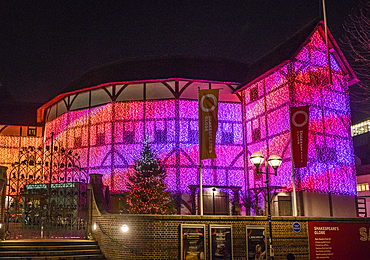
63, 249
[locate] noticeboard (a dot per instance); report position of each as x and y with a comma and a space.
256, 242
192, 241
220, 242
330, 240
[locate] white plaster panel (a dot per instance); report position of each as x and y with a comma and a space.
191, 92
171, 84
81, 101
61, 108
225, 93
182, 84
99, 97
52, 113
132, 92
109, 89
12, 130
156, 90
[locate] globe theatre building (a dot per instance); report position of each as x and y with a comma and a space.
106, 115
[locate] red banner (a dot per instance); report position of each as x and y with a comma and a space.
331, 241
208, 123
299, 135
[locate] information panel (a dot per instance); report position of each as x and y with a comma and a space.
192, 242
256, 242
339, 240
221, 244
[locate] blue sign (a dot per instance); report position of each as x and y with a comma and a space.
297, 227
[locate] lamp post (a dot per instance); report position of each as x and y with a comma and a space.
275, 161
213, 200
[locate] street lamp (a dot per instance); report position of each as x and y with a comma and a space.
213, 200
275, 161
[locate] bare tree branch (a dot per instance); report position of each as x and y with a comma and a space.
356, 42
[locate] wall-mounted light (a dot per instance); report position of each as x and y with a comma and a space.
94, 226
124, 228
1, 225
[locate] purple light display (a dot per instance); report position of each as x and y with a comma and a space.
109, 140
304, 82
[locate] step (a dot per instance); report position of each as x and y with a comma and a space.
82, 257
50, 249
33, 242
47, 247
50, 253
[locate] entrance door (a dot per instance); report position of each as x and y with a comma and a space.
215, 203
285, 206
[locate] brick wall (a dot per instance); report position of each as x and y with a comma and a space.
158, 236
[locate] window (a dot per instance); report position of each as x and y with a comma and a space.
31, 131
128, 133
128, 137
193, 133
160, 132
78, 142
256, 134
362, 186
360, 128
193, 136
100, 139
227, 138
160, 136
227, 135
253, 94
326, 154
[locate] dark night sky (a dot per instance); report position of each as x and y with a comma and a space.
45, 44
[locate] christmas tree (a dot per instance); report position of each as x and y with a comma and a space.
147, 193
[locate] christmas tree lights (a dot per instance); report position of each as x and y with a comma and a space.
146, 192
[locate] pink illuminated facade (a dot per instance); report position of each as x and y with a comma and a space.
106, 122
109, 137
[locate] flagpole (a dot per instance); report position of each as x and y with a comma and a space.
327, 42
200, 163
295, 210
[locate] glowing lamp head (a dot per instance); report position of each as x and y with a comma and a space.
275, 161
94, 226
124, 228
257, 158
